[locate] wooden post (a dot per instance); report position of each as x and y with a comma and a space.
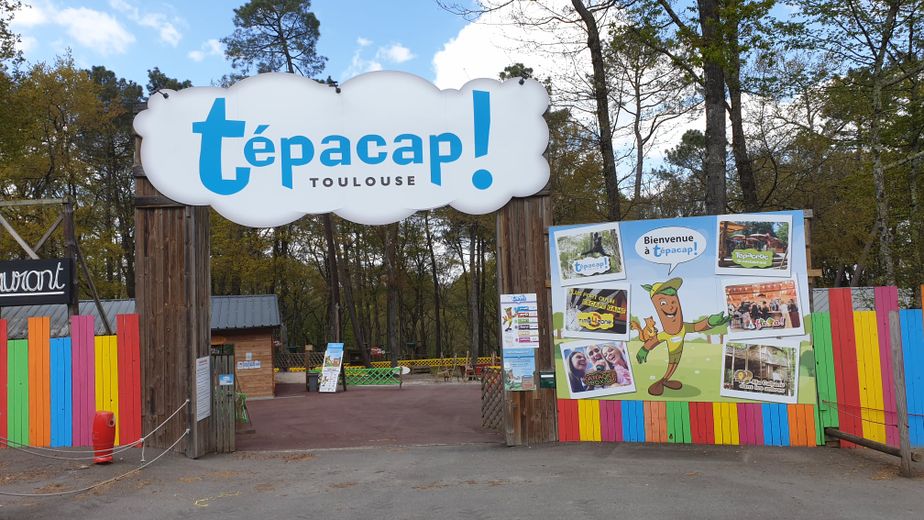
172, 298
523, 267
901, 403
70, 245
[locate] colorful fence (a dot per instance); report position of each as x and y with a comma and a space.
854, 368
50, 388
854, 381
687, 423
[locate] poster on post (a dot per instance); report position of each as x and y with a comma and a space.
330, 369
519, 369
519, 315
706, 309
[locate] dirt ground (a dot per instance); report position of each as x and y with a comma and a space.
473, 481
415, 414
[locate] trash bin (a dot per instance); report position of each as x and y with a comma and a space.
313, 381
103, 437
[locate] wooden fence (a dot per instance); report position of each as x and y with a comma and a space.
492, 399
50, 388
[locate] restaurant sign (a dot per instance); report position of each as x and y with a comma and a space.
35, 282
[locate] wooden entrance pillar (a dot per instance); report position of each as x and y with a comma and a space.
523, 267
172, 299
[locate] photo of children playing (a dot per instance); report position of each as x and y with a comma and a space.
597, 368
760, 246
763, 309
760, 372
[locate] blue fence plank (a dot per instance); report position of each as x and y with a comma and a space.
769, 432
913, 353
640, 420
628, 418
61, 407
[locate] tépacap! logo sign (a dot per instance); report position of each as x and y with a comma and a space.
275, 147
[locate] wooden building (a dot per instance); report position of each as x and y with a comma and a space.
250, 323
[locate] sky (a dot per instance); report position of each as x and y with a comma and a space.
182, 38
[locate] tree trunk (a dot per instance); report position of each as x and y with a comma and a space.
601, 96
473, 294
391, 246
743, 164
879, 180
351, 305
714, 87
333, 280
436, 286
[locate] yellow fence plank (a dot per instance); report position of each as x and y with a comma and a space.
107, 377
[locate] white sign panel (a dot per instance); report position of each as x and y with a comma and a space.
275, 147
203, 388
519, 316
330, 369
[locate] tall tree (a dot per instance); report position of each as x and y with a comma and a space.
274, 35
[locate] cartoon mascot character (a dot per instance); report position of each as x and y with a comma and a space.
666, 302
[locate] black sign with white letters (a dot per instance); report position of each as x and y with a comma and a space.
35, 282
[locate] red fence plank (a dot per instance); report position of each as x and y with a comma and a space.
845, 360
129, 378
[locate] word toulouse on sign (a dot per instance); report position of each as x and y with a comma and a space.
275, 147
35, 282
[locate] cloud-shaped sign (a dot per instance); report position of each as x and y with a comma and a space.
275, 147
670, 245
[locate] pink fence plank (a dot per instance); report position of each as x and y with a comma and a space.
84, 379
886, 301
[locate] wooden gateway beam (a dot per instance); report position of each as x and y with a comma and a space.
172, 289
523, 267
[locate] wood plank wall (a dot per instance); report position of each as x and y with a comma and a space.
523, 267
172, 288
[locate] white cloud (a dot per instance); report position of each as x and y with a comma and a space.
29, 16
363, 42
89, 28
166, 28
395, 53
211, 47
95, 29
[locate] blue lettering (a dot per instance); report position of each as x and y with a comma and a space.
362, 149
265, 147
213, 130
287, 161
438, 159
415, 149
343, 151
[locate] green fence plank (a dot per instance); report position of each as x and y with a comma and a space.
825, 378
685, 422
18, 393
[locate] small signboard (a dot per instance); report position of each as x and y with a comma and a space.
519, 314
248, 365
203, 388
330, 370
35, 282
225, 379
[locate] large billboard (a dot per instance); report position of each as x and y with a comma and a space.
709, 309
275, 147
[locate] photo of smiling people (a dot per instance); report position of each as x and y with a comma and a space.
598, 312
753, 245
597, 368
760, 372
589, 254
764, 309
